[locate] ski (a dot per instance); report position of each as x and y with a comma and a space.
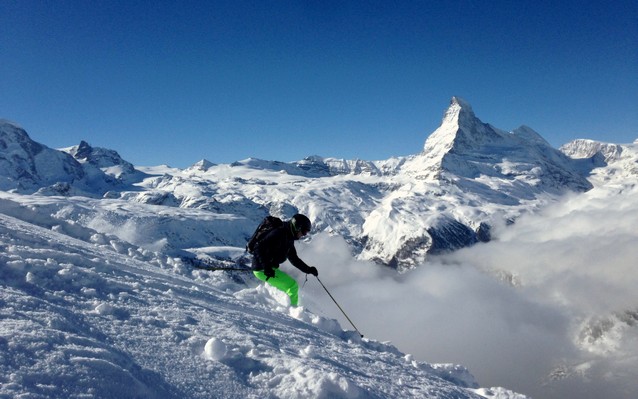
206, 264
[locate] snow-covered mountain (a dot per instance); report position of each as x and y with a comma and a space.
610, 164
466, 148
27, 166
108, 161
469, 177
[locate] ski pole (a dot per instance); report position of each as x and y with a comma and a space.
344, 313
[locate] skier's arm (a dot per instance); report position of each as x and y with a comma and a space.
300, 264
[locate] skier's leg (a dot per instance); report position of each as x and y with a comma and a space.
283, 282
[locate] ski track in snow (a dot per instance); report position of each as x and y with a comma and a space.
82, 320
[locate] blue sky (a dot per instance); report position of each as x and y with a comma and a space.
166, 82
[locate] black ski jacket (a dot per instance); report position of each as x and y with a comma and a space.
277, 246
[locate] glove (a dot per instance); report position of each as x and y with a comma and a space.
313, 270
269, 272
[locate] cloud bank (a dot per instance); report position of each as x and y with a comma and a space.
548, 308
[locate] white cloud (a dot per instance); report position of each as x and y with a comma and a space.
574, 265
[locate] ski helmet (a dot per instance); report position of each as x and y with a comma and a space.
300, 223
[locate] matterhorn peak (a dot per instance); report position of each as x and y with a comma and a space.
460, 128
458, 114
458, 108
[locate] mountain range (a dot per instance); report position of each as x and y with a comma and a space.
469, 178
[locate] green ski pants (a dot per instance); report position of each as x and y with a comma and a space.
283, 282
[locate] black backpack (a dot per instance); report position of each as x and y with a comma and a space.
266, 226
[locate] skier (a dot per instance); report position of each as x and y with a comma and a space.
273, 250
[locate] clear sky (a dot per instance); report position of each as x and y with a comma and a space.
173, 82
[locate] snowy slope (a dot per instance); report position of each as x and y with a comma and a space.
86, 314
